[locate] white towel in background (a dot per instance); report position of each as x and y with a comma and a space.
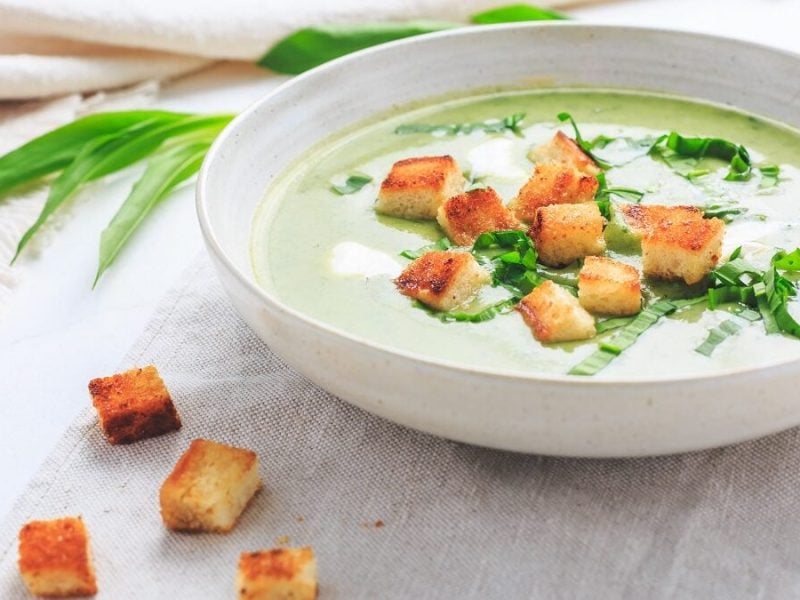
51, 47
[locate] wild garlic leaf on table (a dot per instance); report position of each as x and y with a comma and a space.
79, 171
516, 13
312, 46
145, 141
114, 151
53, 151
163, 174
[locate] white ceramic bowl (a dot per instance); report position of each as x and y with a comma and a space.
557, 415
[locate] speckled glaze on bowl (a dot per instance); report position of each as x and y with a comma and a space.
556, 415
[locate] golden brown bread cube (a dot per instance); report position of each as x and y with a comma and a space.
415, 188
552, 183
609, 287
55, 559
279, 574
677, 241
133, 405
209, 487
555, 315
563, 233
466, 216
442, 280
564, 150
643, 218
686, 250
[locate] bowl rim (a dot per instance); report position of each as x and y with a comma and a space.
229, 132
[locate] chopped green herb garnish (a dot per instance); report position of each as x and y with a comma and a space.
585, 145
717, 335
604, 206
684, 302
485, 314
730, 293
770, 175
353, 184
762, 303
626, 149
746, 313
516, 268
512, 256
778, 291
604, 193
767, 291
697, 174
696, 148
441, 244
787, 261
626, 337
611, 324
736, 272
610, 348
726, 212
510, 123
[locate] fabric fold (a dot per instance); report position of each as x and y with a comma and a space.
65, 46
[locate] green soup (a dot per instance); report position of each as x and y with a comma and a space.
333, 258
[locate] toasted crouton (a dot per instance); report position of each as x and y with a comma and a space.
677, 241
209, 487
552, 183
415, 188
55, 559
466, 216
279, 574
442, 280
564, 150
686, 250
563, 233
609, 287
133, 405
555, 315
643, 218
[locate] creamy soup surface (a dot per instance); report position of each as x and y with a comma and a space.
334, 258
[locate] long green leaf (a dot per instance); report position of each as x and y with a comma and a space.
53, 151
515, 13
82, 169
313, 46
115, 151
78, 171
149, 138
162, 175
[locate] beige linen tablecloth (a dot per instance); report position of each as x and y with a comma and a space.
457, 521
